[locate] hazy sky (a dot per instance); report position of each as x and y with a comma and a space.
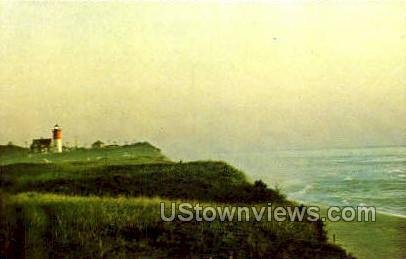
205, 77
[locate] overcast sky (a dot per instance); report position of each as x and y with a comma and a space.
205, 77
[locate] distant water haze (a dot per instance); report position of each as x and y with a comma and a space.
205, 77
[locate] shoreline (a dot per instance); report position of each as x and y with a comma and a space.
324, 207
383, 238
391, 214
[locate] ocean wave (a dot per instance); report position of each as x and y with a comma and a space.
305, 190
395, 170
390, 213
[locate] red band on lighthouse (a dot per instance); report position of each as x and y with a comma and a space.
57, 134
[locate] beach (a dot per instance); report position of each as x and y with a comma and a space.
385, 238
371, 176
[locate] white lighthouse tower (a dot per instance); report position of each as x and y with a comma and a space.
57, 139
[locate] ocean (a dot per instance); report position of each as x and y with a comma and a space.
333, 177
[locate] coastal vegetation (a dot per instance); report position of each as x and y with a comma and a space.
105, 203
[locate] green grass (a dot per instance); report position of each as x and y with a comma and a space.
206, 181
138, 153
103, 203
58, 225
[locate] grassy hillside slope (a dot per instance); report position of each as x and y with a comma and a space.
105, 203
206, 181
61, 225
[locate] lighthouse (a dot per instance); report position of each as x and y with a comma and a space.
57, 139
